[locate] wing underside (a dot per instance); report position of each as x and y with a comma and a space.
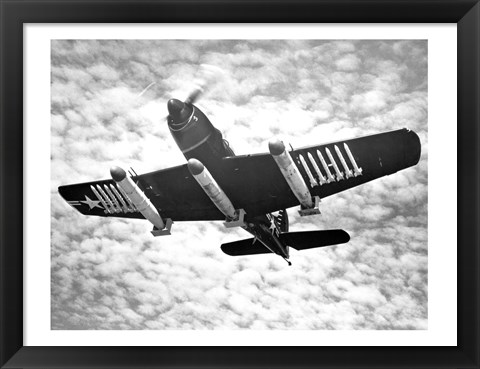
254, 182
172, 191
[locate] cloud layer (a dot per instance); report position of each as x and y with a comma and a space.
112, 274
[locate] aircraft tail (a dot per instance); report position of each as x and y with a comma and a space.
297, 240
244, 247
312, 239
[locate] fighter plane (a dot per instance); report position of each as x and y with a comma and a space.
248, 191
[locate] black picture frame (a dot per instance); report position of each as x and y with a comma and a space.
466, 13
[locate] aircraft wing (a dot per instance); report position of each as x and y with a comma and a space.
254, 182
173, 191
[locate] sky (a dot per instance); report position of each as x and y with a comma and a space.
109, 273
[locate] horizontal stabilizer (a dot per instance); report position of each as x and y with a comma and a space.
311, 239
244, 247
297, 240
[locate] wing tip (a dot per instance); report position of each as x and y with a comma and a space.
61, 191
413, 148
64, 194
346, 235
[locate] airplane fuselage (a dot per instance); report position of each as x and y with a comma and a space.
198, 139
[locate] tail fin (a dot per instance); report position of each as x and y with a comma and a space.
311, 239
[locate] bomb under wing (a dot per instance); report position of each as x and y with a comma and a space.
215, 193
141, 202
293, 178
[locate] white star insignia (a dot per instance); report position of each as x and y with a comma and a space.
91, 203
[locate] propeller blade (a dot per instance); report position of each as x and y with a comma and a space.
209, 75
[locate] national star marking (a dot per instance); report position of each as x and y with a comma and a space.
91, 203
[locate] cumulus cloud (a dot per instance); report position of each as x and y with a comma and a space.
348, 62
112, 274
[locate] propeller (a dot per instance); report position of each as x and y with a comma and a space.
209, 75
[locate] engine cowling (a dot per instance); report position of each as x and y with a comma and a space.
194, 134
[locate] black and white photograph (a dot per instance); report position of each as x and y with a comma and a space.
239, 184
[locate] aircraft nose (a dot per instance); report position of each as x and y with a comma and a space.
175, 107
178, 112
